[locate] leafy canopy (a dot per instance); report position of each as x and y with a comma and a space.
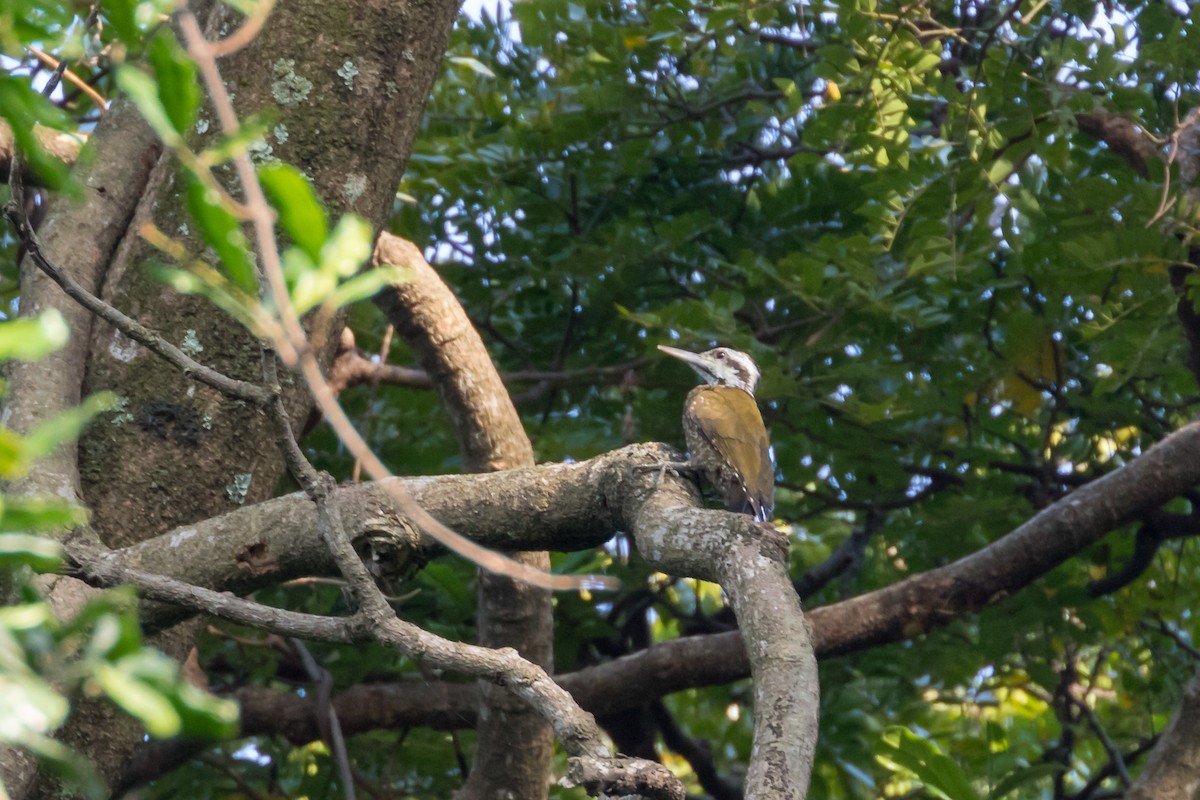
963, 306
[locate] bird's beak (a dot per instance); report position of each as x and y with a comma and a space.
686, 356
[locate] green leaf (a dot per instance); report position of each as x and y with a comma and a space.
22, 513
903, 749
365, 284
472, 64
155, 692
300, 212
23, 109
150, 705
1020, 777
143, 90
31, 705
67, 426
178, 85
999, 171
109, 621
30, 338
449, 581
246, 7
14, 461
252, 133
120, 14
348, 247
17, 454
207, 282
310, 286
203, 714
111, 638
221, 231
25, 616
37, 552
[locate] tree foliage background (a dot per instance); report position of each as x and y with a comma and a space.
962, 304
958, 239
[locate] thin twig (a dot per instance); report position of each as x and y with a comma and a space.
232, 387
327, 719
1114, 753
71, 77
385, 349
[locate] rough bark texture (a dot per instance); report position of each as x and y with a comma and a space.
749, 560
779, 643
183, 451
175, 452
491, 438
1173, 770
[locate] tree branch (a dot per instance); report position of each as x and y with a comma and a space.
1122, 136
1171, 770
593, 499
352, 368
425, 312
581, 504
491, 437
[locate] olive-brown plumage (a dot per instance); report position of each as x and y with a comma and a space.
725, 433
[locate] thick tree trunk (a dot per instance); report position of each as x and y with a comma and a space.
177, 452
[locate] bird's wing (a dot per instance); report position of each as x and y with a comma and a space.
730, 421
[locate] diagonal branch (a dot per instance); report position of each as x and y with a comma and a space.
1171, 770
596, 498
582, 504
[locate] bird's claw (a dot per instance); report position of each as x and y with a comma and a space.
675, 468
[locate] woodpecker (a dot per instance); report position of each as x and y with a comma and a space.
725, 432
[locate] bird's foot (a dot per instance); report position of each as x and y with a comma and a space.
679, 469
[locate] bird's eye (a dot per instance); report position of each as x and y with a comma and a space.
721, 356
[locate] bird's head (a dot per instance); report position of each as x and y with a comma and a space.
721, 366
